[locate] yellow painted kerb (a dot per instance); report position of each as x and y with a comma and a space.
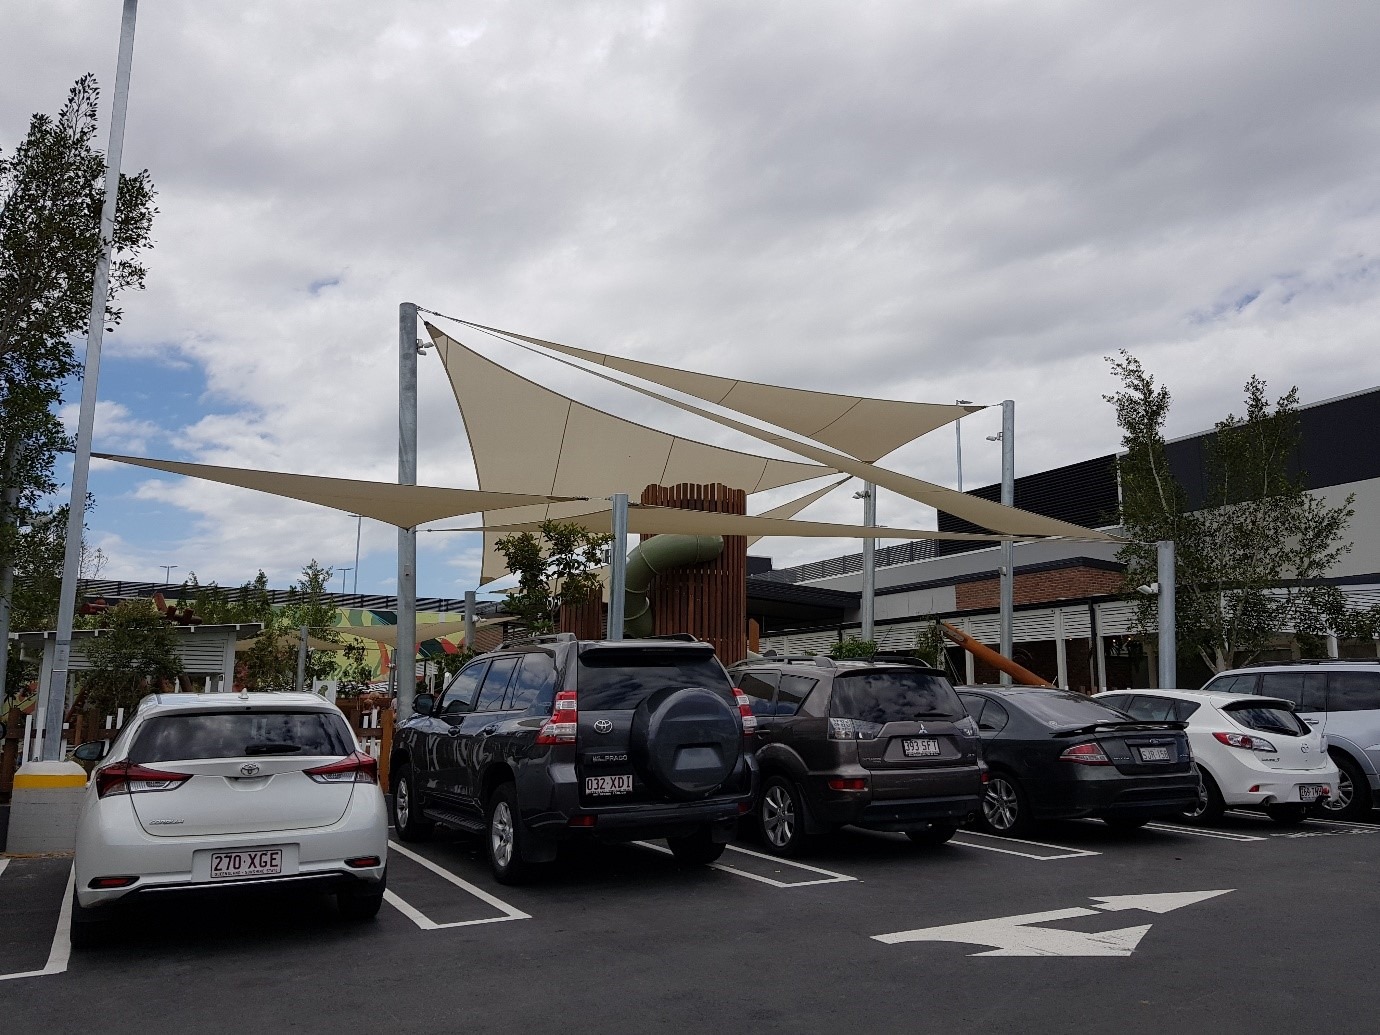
47, 781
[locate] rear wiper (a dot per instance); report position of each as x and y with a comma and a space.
269, 747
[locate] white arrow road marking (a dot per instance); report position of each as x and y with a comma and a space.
1015, 935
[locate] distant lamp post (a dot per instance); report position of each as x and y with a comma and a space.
958, 440
342, 578
167, 573
359, 525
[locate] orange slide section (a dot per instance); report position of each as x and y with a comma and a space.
999, 662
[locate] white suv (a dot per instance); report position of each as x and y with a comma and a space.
1252, 752
229, 791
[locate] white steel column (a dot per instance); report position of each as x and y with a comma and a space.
1061, 650
1168, 627
869, 563
405, 653
618, 566
1008, 499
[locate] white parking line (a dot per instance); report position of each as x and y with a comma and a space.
828, 876
61, 950
1217, 835
1344, 823
425, 922
1067, 853
3, 864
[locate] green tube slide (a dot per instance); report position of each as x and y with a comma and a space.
648, 560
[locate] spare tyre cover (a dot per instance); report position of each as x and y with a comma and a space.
686, 741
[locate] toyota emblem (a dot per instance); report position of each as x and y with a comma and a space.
249, 769
603, 726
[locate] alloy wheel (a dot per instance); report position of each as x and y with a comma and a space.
1340, 801
402, 803
1201, 805
501, 834
778, 815
1000, 805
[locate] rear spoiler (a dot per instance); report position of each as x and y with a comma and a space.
1124, 727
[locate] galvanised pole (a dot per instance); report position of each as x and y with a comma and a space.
55, 692
405, 654
1169, 659
618, 566
469, 619
1008, 499
869, 563
302, 657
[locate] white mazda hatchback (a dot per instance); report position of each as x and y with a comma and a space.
229, 792
1251, 752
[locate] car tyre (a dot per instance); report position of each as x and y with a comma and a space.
1210, 804
90, 928
363, 902
697, 849
1351, 799
407, 813
932, 836
1287, 814
781, 817
1005, 807
504, 837
1126, 822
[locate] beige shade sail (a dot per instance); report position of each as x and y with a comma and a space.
388, 634
1010, 521
864, 428
793, 507
526, 438
291, 636
393, 504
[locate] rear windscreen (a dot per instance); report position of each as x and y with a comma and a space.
894, 695
612, 680
240, 735
1061, 709
1267, 718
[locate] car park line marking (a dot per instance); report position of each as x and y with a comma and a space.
425, 922
830, 877
1067, 853
60, 953
3, 863
1333, 822
1216, 835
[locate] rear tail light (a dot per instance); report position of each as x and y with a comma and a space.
1244, 742
353, 768
363, 862
581, 820
99, 883
745, 710
851, 783
560, 728
853, 729
1086, 754
131, 778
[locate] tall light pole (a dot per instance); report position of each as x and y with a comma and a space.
54, 702
868, 600
167, 573
958, 440
405, 654
1007, 438
342, 578
359, 524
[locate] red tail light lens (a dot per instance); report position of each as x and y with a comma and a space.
745, 710
130, 778
1245, 743
100, 883
353, 768
560, 728
1086, 754
852, 783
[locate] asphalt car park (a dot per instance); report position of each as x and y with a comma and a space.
1167, 928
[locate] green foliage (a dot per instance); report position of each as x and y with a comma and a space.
131, 657
1249, 562
353, 674
853, 647
560, 566
271, 663
217, 606
51, 192
931, 646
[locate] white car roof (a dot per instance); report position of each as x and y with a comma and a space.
162, 704
1216, 699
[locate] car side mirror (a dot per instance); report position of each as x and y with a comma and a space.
423, 704
91, 751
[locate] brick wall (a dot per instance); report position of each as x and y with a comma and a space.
1039, 587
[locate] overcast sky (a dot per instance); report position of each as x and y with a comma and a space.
918, 201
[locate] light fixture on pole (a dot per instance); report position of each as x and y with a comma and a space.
167, 573
342, 579
958, 440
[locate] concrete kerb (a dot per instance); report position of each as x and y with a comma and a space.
43, 811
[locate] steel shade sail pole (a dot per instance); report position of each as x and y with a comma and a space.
869, 564
1169, 660
1008, 498
55, 691
405, 653
618, 566
302, 658
469, 619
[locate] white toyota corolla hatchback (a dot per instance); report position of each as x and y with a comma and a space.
1252, 752
230, 792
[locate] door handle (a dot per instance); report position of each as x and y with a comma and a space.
1312, 722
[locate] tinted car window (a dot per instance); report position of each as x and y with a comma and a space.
1149, 709
1237, 684
994, 718
239, 734
1305, 690
759, 687
1353, 691
613, 680
1062, 709
973, 706
459, 696
535, 677
792, 693
1267, 718
893, 695
1121, 702
1183, 709
496, 684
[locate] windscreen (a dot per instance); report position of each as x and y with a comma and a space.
1060, 709
613, 680
1267, 717
894, 695
240, 734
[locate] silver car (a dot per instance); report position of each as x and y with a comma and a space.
1341, 699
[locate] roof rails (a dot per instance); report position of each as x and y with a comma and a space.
680, 637
540, 638
1313, 661
820, 660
